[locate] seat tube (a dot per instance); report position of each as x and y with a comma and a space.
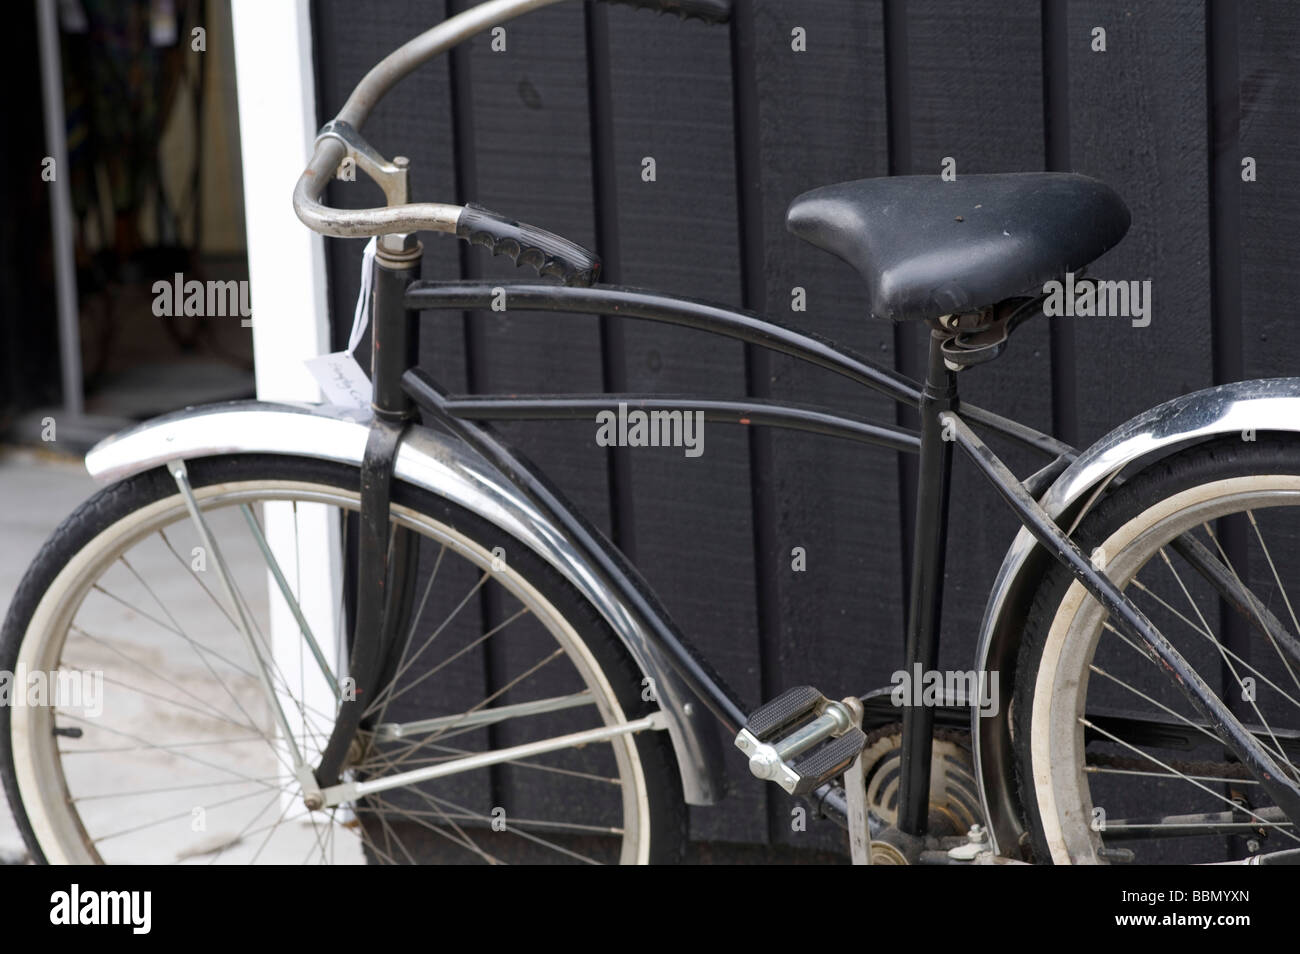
930, 540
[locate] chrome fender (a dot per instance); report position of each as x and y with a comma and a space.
1258, 406
441, 463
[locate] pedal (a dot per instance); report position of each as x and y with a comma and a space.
801, 739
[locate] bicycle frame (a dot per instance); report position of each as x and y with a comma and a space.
944, 423
931, 524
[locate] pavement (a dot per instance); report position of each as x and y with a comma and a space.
40, 489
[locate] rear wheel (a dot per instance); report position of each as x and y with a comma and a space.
157, 744
1114, 764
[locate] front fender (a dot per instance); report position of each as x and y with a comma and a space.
1260, 406
444, 464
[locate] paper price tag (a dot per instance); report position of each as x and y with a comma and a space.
341, 379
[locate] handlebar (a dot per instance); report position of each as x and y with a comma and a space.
549, 254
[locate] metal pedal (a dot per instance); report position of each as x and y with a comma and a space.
801, 739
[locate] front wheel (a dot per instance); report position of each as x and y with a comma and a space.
157, 743
1114, 764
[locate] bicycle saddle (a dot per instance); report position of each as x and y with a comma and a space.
927, 247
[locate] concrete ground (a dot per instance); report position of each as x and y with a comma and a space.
172, 693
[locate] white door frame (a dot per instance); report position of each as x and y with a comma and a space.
286, 265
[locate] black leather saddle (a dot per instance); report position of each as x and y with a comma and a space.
927, 247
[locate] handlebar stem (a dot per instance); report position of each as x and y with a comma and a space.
392, 177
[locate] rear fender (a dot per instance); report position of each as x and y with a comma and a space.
1247, 408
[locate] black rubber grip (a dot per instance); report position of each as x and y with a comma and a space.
710, 11
772, 717
828, 761
527, 245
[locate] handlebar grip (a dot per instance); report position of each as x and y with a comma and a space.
710, 11
528, 245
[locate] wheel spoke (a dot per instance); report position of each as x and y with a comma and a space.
184, 814
393, 692
1105, 770
1250, 515
1173, 771
536, 839
1275, 753
1232, 669
98, 725
1245, 664
203, 704
504, 689
193, 731
460, 838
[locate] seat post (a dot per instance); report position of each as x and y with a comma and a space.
929, 545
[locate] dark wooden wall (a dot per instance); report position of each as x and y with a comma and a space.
553, 132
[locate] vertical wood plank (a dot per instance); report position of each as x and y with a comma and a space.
672, 100
530, 158
975, 70
532, 161
1138, 123
413, 120
822, 120
1269, 63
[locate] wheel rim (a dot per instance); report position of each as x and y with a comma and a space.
54, 796
1062, 779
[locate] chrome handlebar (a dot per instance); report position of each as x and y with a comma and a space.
337, 142
551, 255
340, 139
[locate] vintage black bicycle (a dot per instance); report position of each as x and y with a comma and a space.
331, 634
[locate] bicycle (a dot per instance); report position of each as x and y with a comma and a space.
340, 733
